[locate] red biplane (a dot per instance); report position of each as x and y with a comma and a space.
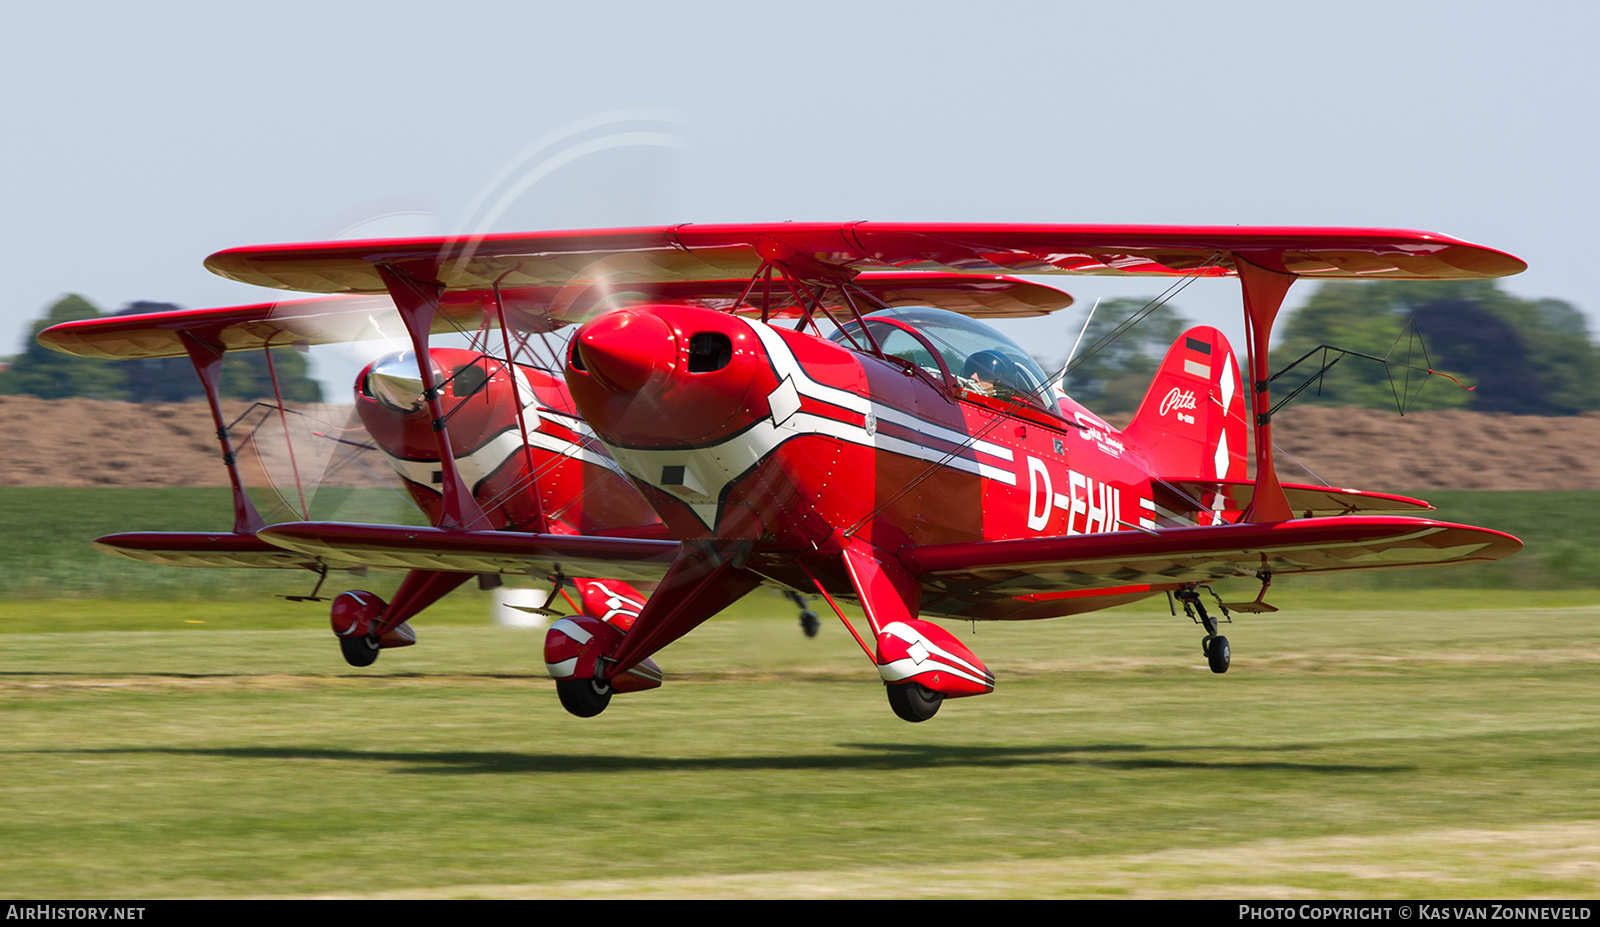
806, 406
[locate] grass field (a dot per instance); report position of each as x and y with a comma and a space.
1395, 746
181, 733
47, 553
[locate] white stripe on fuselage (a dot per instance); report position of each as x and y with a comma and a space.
493, 454
789, 367
709, 470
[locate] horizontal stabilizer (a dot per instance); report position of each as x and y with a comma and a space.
1306, 500
397, 547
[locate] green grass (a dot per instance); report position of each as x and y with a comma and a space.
1561, 531
173, 732
250, 611
46, 554
1400, 749
47, 532
467, 607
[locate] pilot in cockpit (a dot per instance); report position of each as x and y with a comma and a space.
990, 373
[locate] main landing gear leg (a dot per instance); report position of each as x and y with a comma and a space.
921, 664
1213, 645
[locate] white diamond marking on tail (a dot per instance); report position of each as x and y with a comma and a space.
1221, 458
1227, 383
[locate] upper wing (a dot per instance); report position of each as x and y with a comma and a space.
617, 257
341, 319
1020, 578
328, 320
970, 294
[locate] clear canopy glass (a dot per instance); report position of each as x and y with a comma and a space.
981, 359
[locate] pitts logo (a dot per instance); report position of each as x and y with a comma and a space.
1178, 399
1091, 507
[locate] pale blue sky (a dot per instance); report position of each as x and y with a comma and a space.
140, 138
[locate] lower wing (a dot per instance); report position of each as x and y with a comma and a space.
339, 546
1034, 577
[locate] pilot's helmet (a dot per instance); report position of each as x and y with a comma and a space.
991, 366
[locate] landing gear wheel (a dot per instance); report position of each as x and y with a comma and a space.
359, 650
809, 623
584, 697
1218, 654
914, 701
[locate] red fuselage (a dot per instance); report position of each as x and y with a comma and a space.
684, 422
738, 430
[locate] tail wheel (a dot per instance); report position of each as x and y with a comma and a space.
914, 701
584, 697
809, 623
359, 650
1218, 653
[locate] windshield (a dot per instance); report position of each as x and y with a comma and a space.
983, 360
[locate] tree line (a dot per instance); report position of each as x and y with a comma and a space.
1522, 356
39, 371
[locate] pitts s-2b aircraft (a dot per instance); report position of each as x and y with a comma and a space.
708, 435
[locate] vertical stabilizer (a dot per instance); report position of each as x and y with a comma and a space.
1192, 423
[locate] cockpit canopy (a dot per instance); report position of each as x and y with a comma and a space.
978, 358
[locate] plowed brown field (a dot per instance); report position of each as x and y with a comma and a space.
85, 442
